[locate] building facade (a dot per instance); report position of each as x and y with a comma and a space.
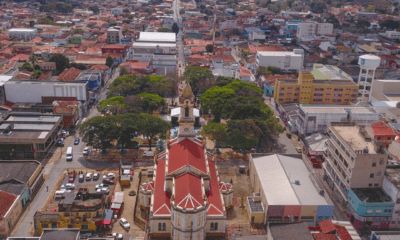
114, 35
286, 61
186, 202
308, 30
308, 90
26, 34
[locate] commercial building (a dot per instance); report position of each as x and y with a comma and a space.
144, 51
307, 31
59, 234
391, 185
313, 119
28, 135
157, 37
298, 231
392, 35
314, 148
114, 35
308, 89
352, 160
386, 90
92, 77
186, 202
286, 61
26, 34
285, 191
19, 183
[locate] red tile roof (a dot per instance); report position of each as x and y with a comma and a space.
6, 201
323, 236
224, 186
162, 204
327, 226
188, 191
381, 128
69, 74
215, 206
343, 233
148, 186
185, 153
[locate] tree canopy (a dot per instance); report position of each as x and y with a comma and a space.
199, 78
61, 61
152, 127
112, 104
109, 61
151, 102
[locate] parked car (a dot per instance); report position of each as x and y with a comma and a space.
124, 223
64, 133
109, 175
85, 151
77, 140
69, 186
86, 235
118, 236
96, 176
289, 135
71, 178
103, 190
88, 176
103, 185
109, 181
81, 178
261, 151
60, 143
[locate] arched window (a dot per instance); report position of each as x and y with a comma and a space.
186, 112
164, 227
212, 226
216, 226
159, 227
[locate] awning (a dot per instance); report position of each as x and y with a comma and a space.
106, 219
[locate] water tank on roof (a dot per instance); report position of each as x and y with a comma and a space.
369, 61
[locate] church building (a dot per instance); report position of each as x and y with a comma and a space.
186, 199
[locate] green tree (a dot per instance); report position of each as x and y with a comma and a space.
217, 34
152, 127
126, 127
242, 140
61, 61
27, 67
175, 28
44, 21
182, 11
293, 41
222, 80
215, 132
199, 78
31, 24
163, 29
122, 71
37, 73
151, 102
363, 24
79, 66
126, 10
272, 70
109, 61
218, 100
112, 104
98, 131
64, 7
318, 7
209, 48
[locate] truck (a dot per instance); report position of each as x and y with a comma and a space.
126, 173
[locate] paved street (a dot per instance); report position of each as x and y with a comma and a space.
57, 164
179, 42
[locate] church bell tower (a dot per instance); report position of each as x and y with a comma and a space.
186, 119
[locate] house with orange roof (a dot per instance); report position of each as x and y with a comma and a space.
69, 75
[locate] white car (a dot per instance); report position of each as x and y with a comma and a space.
103, 190
88, 176
109, 175
68, 186
118, 236
65, 133
124, 223
101, 186
85, 151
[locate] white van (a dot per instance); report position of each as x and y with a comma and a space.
148, 153
59, 193
69, 154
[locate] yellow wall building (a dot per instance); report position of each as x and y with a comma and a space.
308, 89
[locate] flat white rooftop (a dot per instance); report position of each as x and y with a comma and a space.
277, 174
156, 37
22, 30
151, 44
277, 53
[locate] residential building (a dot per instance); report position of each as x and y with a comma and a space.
314, 148
352, 161
371, 207
332, 229
187, 201
114, 35
365, 15
285, 191
392, 35
385, 90
62, 39
70, 110
391, 185
28, 135
164, 64
26, 34
54, 233
306, 31
81, 210
313, 119
48, 66
116, 11
92, 77
381, 132
19, 184
286, 61
24, 48
114, 48
227, 24
144, 51
308, 89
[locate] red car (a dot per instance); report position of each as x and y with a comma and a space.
71, 178
108, 181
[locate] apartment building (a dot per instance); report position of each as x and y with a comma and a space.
286, 61
144, 51
23, 33
309, 90
114, 35
392, 35
308, 30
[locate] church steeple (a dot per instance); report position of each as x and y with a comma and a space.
186, 119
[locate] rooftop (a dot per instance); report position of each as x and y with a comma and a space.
60, 234
278, 175
338, 109
352, 136
156, 37
277, 53
321, 71
15, 174
255, 206
372, 195
298, 231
